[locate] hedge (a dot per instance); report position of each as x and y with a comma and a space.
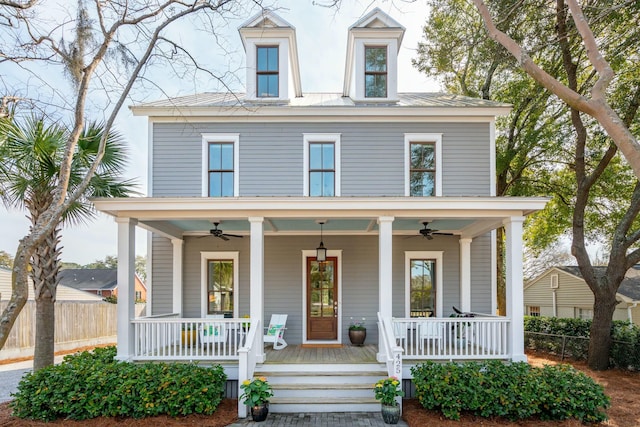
93, 384
572, 339
514, 391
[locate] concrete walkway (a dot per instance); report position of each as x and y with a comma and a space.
12, 373
323, 419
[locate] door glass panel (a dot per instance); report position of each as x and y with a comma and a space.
322, 296
422, 288
220, 287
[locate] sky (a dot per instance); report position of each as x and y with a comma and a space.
321, 35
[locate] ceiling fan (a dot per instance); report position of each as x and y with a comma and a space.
216, 232
428, 233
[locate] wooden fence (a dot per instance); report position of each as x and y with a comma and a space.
78, 324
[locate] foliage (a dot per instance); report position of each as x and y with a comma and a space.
111, 261
256, 392
570, 338
513, 391
387, 389
357, 325
93, 384
112, 299
6, 260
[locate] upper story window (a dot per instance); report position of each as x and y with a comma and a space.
322, 164
220, 165
375, 71
267, 73
322, 170
423, 167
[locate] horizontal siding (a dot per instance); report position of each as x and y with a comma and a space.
162, 276
481, 297
271, 157
284, 282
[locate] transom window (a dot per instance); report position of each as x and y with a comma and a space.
220, 287
267, 73
375, 71
220, 169
422, 173
322, 171
422, 288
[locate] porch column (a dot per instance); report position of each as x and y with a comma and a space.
385, 288
465, 274
178, 245
515, 290
126, 287
256, 305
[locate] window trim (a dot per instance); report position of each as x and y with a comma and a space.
229, 138
268, 73
205, 257
376, 73
311, 138
414, 138
437, 256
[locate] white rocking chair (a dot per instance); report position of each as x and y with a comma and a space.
275, 331
432, 332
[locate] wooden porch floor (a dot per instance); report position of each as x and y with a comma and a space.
297, 354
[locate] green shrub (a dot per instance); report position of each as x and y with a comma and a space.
93, 384
513, 391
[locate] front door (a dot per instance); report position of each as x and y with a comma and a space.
322, 299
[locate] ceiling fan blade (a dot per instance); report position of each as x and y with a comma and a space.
443, 234
429, 237
223, 237
232, 235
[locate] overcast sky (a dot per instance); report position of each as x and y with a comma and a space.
321, 34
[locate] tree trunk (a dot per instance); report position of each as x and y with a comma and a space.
45, 263
501, 280
600, 342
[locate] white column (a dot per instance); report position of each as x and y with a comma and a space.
126, 286
465, 274
385, 258
256, 308
515, 291
178, 245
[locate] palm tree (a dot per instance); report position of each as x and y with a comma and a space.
30, 159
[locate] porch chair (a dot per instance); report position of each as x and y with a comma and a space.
275, 331
432, 331
213, 332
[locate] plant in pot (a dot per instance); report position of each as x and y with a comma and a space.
188, 334
386, 390
256, 394
357, 332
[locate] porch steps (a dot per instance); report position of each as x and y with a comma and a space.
304, 388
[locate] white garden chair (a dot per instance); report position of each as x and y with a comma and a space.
275, 331
432, 332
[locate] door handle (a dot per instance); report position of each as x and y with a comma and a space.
335, 309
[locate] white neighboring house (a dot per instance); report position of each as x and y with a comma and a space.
64, 293
364, 203
562, 292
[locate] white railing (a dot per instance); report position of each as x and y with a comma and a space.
169, 338
390, 351
247, 363
453, 338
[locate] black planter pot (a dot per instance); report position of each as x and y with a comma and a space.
357, 337
260, 412
390, 414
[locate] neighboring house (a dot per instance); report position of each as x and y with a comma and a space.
562, 292
63, 292
99, 281
356, 173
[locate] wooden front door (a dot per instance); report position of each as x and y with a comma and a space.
322, 299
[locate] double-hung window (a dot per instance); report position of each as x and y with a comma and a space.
375, 71
322, 171
423, 169
219, 283
267, 72
221, 169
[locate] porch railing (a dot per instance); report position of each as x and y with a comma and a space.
390, 351
452, 338
162, 338
247, 363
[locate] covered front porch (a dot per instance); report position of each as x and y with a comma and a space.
371, 242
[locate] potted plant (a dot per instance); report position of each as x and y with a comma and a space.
256, 394
188, 334
357, 332
386, 391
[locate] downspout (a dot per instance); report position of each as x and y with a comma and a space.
629, 308
555, 305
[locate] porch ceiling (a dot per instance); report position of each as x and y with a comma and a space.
177, 217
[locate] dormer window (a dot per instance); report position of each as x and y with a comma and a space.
375, 71
267, 74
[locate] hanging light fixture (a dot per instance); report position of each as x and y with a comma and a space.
321, 251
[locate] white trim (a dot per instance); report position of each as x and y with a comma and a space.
312, 253
465, 274
178, 250
206, 256
392, 68
283, 46
308, 138
494, 273
149, 268
150, 158
492, 158
436, 138
265, 113
220, 137
408, 256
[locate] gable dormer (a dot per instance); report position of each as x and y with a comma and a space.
273, 72
371, 70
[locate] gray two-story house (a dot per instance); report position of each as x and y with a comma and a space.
363, 205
